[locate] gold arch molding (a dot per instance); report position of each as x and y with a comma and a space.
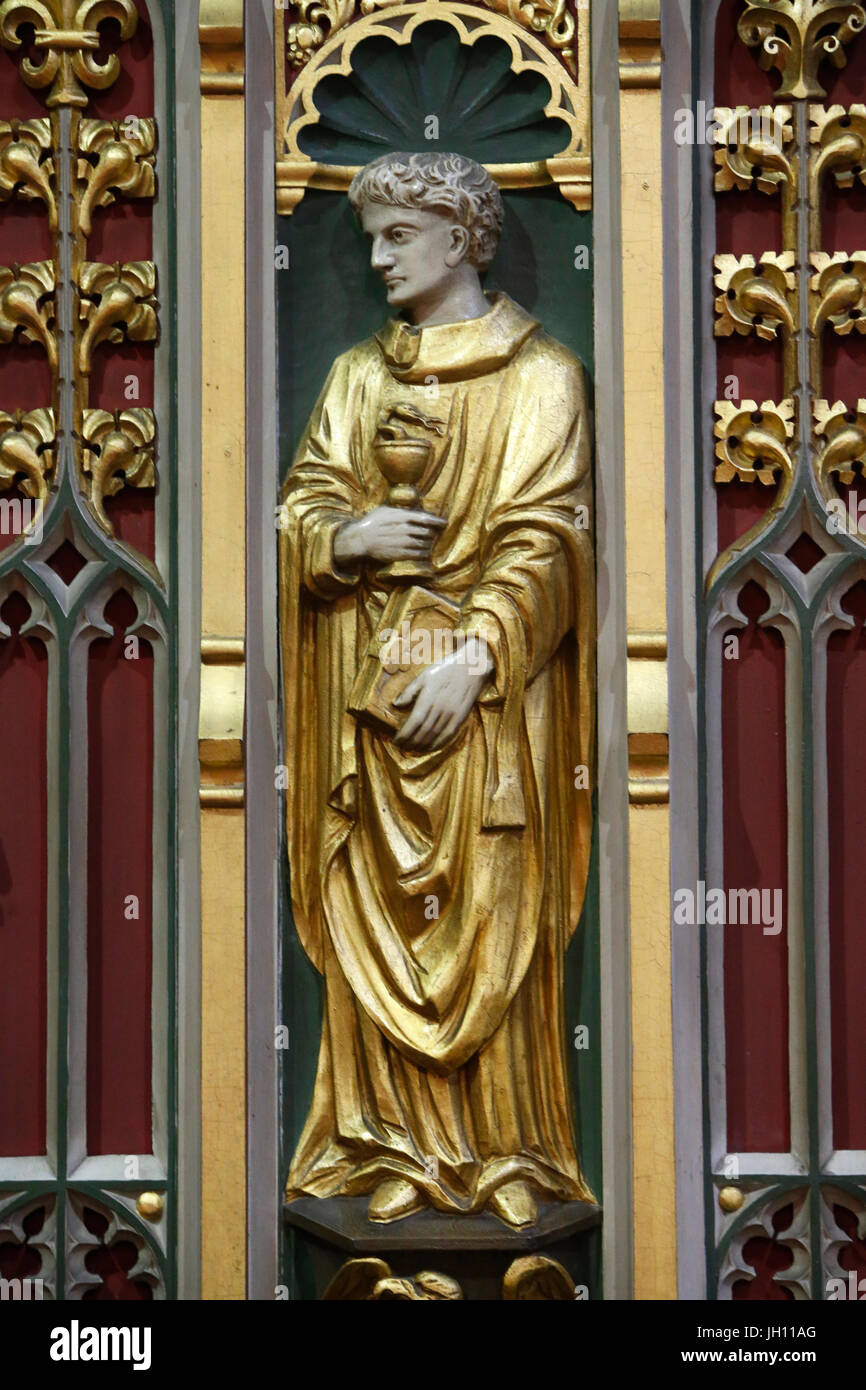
570, 170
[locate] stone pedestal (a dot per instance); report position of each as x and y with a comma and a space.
560, 1255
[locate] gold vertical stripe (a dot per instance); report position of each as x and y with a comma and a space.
655, 1270
223, 385
223, 1185
223, 625
655, 1231
640, 114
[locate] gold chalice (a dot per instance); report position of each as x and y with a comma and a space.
403, 462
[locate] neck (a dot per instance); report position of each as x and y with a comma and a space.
460, 299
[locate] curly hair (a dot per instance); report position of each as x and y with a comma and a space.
448, 183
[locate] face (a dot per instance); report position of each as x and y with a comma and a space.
416, 252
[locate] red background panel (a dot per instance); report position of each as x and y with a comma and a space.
132, 513
844, 367
843, 214
741, 505
123, 231
23, 897
849, 85
16, 99
748, 222
758, 367
113, 363
755, 856
753, 732
739, 80
25, 232
120, 864
846, 769
25, 377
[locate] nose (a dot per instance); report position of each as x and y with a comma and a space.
380, 256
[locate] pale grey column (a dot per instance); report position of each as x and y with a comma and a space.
188, 464
683, 387
261, 737
618, 1236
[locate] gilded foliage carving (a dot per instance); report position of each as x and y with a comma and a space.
840, 443
755, 148
116, 159
118, 302
838, 287
26, 163
754, 441
27, 308
795, 37
27, 451
117, 451
756, 296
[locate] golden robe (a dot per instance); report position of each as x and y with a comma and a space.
443, 1040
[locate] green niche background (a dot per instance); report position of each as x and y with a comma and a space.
327, 301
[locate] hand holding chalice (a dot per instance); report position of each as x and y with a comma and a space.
404, 461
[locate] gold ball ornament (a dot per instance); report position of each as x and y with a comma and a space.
730, 1199
150, 1205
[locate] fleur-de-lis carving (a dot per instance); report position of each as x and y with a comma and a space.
840, 439
796, 36
27, 306
116, 158
753, 148
839, 292
26, 167
27, 440
756, 296
118, 301
67, 32
117, 451
840, 137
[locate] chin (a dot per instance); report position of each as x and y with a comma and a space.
399, 295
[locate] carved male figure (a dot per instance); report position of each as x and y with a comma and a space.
439, 870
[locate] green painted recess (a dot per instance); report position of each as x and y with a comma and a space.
328, 299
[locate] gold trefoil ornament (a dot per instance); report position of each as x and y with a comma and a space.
439, 857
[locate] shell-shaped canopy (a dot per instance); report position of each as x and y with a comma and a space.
478, 105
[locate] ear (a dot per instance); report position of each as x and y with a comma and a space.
459, 247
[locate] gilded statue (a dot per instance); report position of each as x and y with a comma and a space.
436, 534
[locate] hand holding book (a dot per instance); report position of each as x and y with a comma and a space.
416, 662
441, 698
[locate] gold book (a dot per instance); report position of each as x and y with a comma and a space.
413, 632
